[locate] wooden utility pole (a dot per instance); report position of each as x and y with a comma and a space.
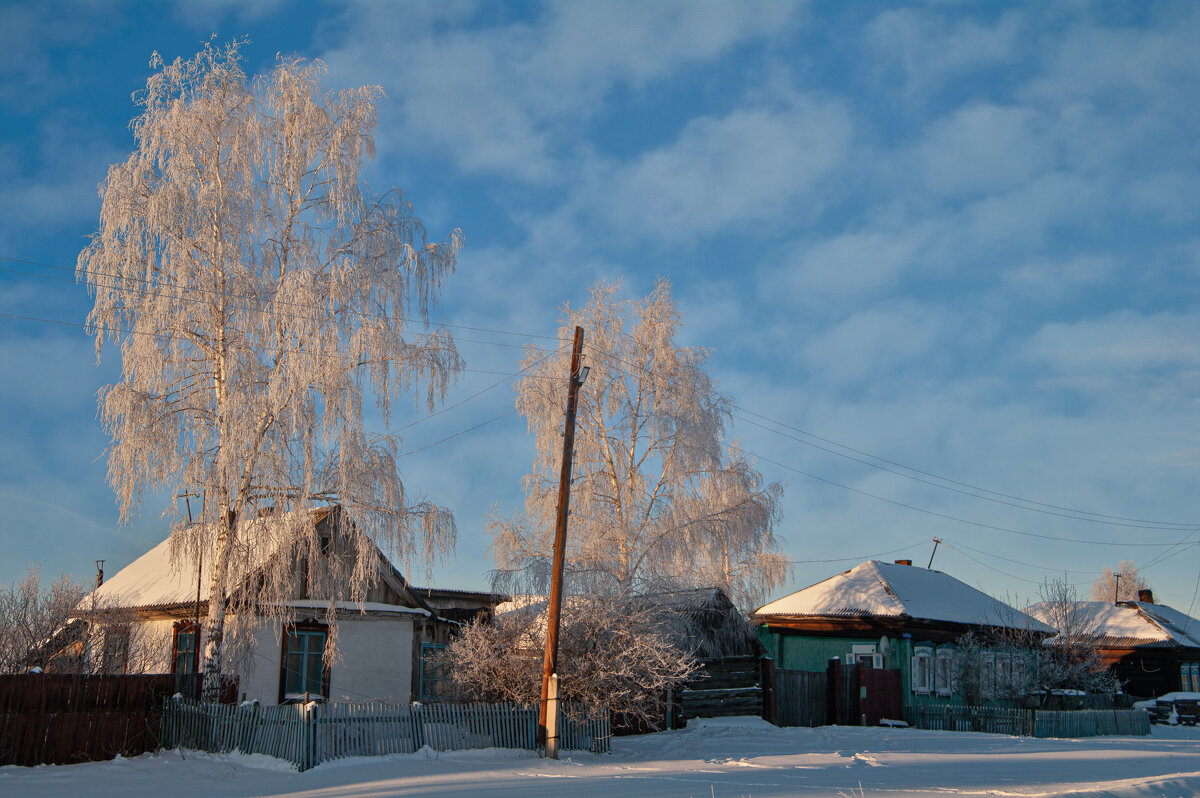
550, 663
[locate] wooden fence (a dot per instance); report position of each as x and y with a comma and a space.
1030, 722
800, 698
66, 718
307, 735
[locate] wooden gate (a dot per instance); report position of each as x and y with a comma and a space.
800, 698
879, 695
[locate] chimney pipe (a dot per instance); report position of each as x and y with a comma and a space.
903, 562
99, 572
1146, 596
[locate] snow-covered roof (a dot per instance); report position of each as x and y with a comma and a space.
152, 581
1130, 624
876, 589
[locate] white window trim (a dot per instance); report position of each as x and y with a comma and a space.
922, 654
944, 673
987, 675
863, 649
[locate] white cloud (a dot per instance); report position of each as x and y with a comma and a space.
931, 49
877, 344
1141, 357
207, 15
753, 164
982, 147
511, 98
844, 269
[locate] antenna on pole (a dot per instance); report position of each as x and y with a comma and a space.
936, 541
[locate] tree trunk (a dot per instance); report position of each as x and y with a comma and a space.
215, 634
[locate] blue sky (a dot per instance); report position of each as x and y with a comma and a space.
959, 238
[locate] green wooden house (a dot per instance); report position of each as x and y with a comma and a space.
897, 616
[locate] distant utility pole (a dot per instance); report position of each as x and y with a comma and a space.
550, 664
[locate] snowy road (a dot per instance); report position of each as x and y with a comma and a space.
719, 759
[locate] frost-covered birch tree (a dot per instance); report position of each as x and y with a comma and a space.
258, 292
1120, 585
658, 500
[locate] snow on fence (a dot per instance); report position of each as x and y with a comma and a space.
1030, 722
308, 734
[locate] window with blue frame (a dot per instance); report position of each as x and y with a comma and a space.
304, 674
433, 673
184, 654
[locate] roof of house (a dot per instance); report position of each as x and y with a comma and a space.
152, 581
882, 590
1131, 624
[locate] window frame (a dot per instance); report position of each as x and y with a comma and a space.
865, 650
185, 628
114, 650
290, 631
987, 675
921, 670
943, 672
440, 679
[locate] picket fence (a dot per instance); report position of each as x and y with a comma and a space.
308, 735
1030, 722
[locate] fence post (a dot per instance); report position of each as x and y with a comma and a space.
418, 734
834, 672
770, 708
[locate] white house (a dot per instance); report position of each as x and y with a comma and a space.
385, 642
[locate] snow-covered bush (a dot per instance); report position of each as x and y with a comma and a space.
614, 654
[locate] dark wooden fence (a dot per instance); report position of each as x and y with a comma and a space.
58, 719
845, 695
1030, 722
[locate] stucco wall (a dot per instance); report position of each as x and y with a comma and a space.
376, 660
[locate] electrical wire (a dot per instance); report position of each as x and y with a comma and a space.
201, 289
1081, 517
953, 481
936, 514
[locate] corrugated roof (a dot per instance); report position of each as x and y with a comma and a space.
1131, 624
876, 589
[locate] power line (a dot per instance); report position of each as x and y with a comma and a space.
461, 432
1113, 518
964, 487
1094, 520
936, 514
201, 289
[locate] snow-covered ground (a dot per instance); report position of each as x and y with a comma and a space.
710, 759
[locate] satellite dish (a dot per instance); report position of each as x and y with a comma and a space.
885, 646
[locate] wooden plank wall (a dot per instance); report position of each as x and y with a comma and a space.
800, 697
66, 718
